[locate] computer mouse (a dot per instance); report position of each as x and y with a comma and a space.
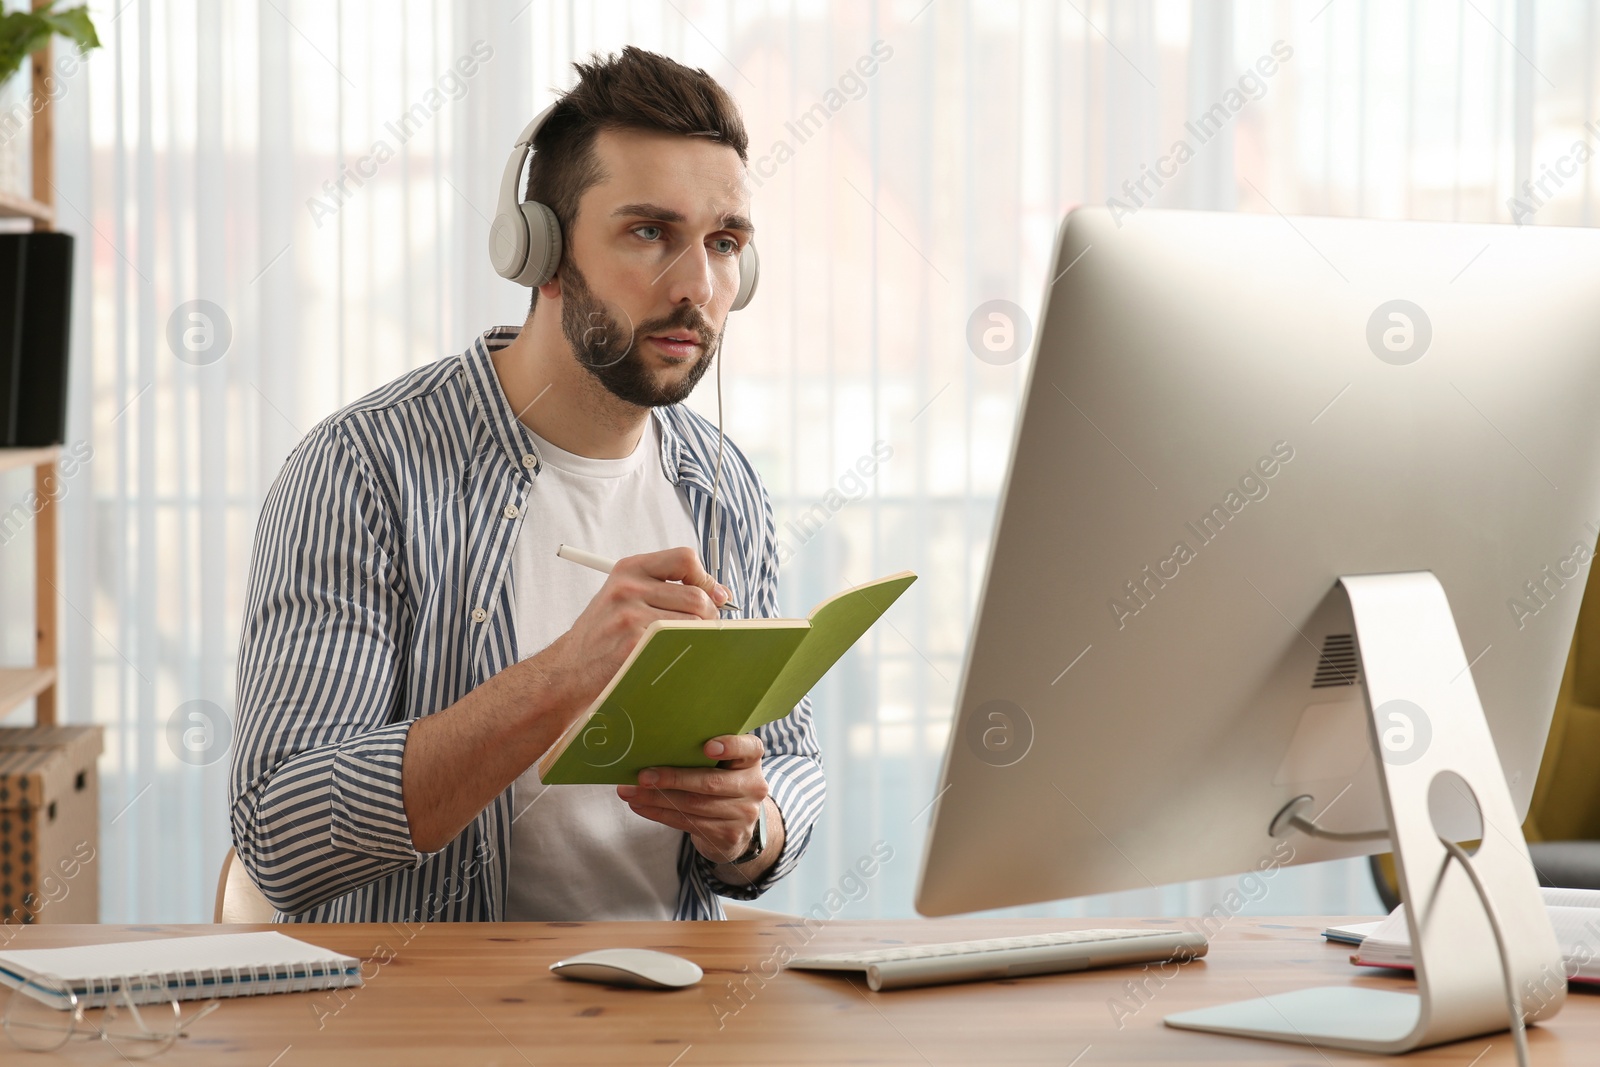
641, 968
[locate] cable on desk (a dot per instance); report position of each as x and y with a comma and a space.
1519, 1035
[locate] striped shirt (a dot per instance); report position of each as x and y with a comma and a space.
381, 591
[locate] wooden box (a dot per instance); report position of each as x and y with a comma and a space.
49, 825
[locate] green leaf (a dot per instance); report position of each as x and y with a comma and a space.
23, 33
73, 24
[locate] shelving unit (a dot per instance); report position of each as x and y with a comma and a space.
50, 808
13, 206
20, 684
38, 682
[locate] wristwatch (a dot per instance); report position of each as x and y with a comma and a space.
758, 839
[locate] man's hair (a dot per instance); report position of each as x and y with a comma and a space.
636, 90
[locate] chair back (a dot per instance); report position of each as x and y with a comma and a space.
238, 899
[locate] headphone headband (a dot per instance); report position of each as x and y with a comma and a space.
524, 239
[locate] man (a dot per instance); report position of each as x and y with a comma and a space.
412, 644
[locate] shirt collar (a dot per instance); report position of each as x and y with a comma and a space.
686, 465
677, 462
498, 418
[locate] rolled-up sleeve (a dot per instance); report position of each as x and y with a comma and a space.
793, 760
315, 794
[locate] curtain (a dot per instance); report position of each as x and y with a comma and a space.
283, 204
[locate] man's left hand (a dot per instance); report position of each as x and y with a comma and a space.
716, 806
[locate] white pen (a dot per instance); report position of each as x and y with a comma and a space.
603, 565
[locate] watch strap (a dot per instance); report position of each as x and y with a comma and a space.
758, 839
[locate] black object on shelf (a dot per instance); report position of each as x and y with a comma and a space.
13, 257
34, 335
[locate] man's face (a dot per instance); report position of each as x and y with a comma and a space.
652, 265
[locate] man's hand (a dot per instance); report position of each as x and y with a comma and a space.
670, 584
459, 759
716, 806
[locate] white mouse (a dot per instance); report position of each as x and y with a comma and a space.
641, 968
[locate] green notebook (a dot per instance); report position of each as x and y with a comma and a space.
687, 682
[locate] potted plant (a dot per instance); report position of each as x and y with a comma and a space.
23, 33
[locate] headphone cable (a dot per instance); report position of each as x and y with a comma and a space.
716, 488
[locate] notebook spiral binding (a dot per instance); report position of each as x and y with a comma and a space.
206, 983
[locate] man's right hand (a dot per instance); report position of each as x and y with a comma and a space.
670, 584
457, 760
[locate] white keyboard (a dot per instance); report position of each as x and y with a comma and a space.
1007, 957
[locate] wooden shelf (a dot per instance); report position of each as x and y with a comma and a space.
19, 684
13, 458
13, 206
37, 683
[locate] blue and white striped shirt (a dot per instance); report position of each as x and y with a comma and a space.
381, 591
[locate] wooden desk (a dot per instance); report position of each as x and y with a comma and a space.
482, 994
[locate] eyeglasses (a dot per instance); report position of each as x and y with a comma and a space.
136, 1015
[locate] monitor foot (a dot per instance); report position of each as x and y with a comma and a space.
1477, 924
1342, 1017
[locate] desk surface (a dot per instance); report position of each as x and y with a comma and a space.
482, 994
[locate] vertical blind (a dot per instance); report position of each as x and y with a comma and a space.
283, 204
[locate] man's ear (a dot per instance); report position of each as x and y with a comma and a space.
551, 289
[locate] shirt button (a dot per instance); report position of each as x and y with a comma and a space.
510, 511
529, 461
479, 615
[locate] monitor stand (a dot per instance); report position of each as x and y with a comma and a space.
1425, 719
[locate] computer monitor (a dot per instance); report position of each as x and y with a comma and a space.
1225, 413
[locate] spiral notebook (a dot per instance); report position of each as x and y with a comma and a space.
180, 968
1574, 915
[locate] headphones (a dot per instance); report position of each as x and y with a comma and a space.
525, 239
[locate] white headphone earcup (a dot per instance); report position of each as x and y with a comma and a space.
508, 245
544, 244
749, 275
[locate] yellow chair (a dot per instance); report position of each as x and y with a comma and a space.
238, 899
1566, 797
745, 912
1563, 824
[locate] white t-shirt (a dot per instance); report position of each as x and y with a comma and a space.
577, 851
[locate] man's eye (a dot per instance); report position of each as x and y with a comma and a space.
727, 246
649, 233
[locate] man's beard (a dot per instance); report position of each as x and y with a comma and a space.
609, 352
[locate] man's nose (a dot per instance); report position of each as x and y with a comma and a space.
689, 278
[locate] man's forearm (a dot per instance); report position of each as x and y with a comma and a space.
459, 759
